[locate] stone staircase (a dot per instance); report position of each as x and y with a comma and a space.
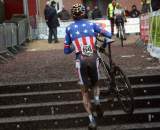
58, 105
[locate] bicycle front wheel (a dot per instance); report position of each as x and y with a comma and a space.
124, 91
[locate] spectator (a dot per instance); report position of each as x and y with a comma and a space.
88, 13
46, 11
64, 14
127, 13
96, 13
53, 23
146, 6
110, 13
155, 4
134, 12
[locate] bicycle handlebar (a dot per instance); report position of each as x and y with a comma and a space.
109, 41
101, 49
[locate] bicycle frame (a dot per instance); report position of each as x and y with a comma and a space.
110, 66
109, 55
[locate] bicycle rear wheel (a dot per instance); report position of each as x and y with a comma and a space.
124, 91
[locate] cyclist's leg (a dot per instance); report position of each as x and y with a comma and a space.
86, 100
123, 29
85, 84
94, 76
112, 25
117, 26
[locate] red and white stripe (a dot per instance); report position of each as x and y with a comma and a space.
79, 42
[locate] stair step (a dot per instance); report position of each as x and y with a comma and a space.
67, 95
71, 107
65, 85
80, 119
132, 126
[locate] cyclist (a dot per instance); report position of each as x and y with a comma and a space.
120, 17
81, 38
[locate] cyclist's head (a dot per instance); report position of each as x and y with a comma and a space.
114, 2
78, 11
118, 6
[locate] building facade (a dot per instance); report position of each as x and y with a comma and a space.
36, 7
102, 4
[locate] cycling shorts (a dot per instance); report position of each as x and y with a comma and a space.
88, 70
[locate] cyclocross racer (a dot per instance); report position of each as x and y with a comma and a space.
81, 38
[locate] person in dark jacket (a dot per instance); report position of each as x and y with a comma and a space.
134, 12
46, 11
53, 23
96, 13
155, 5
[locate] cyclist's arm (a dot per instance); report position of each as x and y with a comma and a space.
102, 31
124, 15
67, 43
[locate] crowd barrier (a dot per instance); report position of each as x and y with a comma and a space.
2, 40
150, 32
22, 29
13, 34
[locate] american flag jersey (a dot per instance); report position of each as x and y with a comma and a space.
82, 32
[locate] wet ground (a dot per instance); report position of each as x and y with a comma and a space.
41, 61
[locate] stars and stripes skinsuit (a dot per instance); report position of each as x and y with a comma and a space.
79, 34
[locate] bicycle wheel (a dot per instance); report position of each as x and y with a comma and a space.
124, 91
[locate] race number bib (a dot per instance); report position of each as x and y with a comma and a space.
87, 50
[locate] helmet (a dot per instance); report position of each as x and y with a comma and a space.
78, 10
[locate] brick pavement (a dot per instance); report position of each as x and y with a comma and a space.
42, 62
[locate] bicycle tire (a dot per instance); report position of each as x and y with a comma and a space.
124, 91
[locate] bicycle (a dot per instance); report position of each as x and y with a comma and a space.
119, 84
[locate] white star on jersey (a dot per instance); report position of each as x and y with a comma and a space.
76, 26
85, 31
68, 28
77, 33
83, 25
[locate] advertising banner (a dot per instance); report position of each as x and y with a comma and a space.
131, 26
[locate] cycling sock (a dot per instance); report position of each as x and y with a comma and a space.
91, 118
